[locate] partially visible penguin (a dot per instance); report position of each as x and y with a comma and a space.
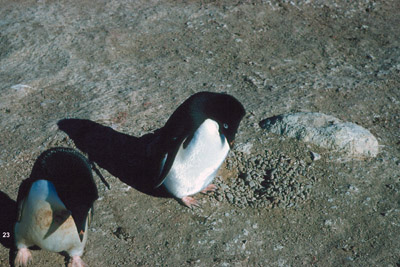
193, 144
55, 206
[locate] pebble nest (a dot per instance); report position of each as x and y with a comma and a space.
267, 180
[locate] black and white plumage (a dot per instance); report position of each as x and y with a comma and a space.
55, 205
194, 142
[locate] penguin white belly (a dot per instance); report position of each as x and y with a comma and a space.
196, 165
43, 211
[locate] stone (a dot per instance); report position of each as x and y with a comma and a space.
315, 156
325, 131
245, 148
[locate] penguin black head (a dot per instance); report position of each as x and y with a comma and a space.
226, 110
80, 203
80, 213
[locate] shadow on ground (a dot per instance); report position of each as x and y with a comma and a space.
8, 215
120, 154
8, 209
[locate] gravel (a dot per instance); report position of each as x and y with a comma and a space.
267, 180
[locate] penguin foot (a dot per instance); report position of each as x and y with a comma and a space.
209, 188
76, 261
23, 258
190, 202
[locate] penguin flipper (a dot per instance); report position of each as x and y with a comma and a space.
167, 161
164, 148
23, 192
174, 135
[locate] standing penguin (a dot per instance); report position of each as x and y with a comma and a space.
194, 142
55, 205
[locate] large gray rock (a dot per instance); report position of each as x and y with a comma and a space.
325, 131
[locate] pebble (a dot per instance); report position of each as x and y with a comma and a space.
315, 156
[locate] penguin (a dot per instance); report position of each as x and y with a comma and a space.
193, 144
55, 205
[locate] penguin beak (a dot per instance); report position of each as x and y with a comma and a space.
232, 143
81, 235
81, 230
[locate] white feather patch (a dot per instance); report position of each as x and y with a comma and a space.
42, 208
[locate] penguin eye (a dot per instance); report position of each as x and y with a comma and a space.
225, 125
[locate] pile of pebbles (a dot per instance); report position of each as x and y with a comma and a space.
266, 180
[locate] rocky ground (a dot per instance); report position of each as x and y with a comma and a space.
128, 64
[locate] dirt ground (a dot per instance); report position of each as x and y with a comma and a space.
127, 65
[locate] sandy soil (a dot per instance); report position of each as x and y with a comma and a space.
128, 64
